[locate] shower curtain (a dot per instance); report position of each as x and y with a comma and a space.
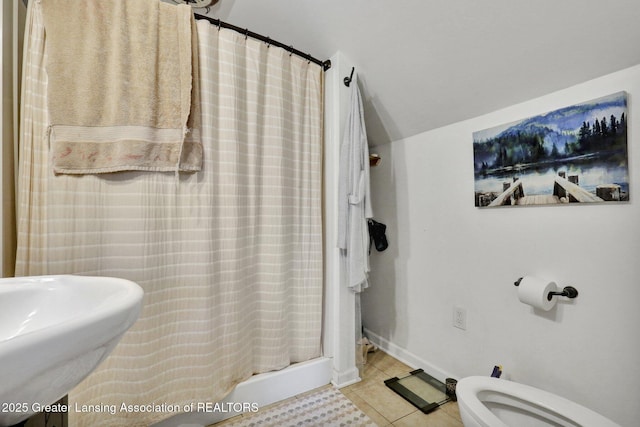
230, 258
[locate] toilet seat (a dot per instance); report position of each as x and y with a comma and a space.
474, 392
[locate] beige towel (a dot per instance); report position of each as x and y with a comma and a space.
122, 86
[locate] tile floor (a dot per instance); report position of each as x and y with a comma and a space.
384, 406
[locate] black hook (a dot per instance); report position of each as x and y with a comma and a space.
347, 80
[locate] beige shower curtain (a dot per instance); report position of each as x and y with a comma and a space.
230, 258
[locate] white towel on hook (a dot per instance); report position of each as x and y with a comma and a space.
354, 204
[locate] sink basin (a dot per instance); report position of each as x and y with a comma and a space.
54, 331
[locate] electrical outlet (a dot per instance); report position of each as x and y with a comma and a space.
460, 318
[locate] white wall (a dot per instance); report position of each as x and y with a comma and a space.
445, 252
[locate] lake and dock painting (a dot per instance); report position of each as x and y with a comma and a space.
576, 154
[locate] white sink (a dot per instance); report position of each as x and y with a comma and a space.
54, 331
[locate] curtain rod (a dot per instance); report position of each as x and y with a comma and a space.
219, 23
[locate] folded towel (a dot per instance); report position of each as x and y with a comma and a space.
122, 86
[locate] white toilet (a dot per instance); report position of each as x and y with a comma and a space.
492, 402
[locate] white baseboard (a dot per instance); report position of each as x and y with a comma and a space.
407, 357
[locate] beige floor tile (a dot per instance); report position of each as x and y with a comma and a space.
386, 402
437, 418
452, 409
374, 356
375, 416
366, 368
396, 369
379, 359
381, 366
389, 365
371, 376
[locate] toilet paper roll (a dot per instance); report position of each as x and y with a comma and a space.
534, 291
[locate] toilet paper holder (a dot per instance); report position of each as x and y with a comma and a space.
567, 291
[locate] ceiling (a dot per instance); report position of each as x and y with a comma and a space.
423, 64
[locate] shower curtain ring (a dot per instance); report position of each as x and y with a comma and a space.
219, 24
290, 50
246, 33
268, 42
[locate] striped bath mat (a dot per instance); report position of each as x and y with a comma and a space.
325, 407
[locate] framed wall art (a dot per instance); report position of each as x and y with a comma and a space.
576, 154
